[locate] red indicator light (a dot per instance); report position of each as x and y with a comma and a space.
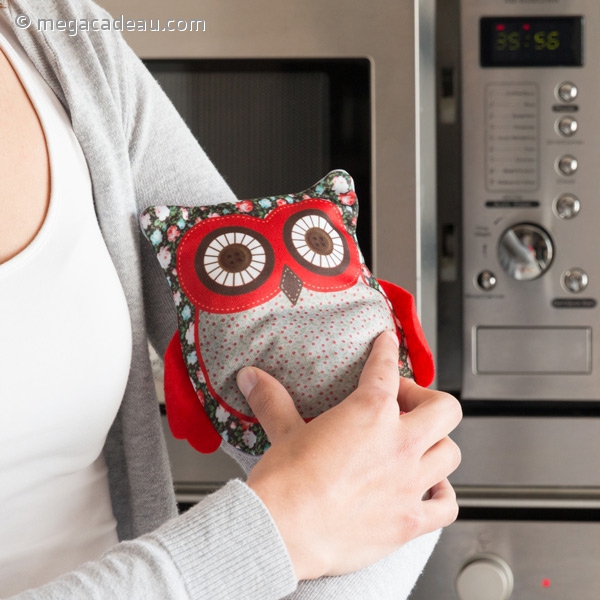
526, 26
500, 27
546, 583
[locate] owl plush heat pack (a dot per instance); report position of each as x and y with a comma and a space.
278, 283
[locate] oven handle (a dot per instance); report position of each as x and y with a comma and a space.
528, 497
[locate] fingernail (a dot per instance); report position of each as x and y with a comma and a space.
246, 380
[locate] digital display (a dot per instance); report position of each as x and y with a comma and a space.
531, 42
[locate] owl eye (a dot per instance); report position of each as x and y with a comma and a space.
234, 261
316, 243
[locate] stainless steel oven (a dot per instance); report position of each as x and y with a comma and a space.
517, 136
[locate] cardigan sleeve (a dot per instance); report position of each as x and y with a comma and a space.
196, 555
168, 166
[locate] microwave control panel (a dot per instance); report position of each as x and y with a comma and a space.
531, 199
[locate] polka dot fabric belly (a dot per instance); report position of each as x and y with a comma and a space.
316, 348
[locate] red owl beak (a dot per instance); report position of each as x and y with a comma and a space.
291, 285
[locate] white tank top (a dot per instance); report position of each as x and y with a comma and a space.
65, 352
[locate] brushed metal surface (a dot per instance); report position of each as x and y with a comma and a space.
527, 451
505, 103
528, 497
549, 560
541, 350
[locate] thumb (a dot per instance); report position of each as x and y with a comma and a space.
270, 402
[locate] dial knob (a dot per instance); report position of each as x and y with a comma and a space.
485, 577
486, 280
567, 206
525, 251
575, 280
567, 91
567, 165
567, 126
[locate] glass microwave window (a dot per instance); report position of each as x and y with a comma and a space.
275, 126
531, 42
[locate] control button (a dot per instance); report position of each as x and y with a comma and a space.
575, 280
486, 280
567, 206
525, 251
567, 126
567, 165
485, 577
567, 91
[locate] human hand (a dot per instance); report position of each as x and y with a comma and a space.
358, 481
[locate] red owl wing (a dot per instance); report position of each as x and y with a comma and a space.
418, 349
185, 413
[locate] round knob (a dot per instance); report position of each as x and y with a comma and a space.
575, 280
567, 206
567, 91
567, 126
485, 577
567, 165
486, 280
525, 251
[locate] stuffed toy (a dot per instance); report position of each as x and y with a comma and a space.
278, 283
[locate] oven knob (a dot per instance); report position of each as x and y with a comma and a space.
567, 206
567, 126
567, 91
525, 251
575, 280
567, 165
486, 280
485, 577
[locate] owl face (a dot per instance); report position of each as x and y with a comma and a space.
232, 263
277, 283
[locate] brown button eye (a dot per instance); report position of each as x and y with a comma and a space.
319, 241
235, 260
316, 243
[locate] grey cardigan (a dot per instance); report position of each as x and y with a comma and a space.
140, 153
